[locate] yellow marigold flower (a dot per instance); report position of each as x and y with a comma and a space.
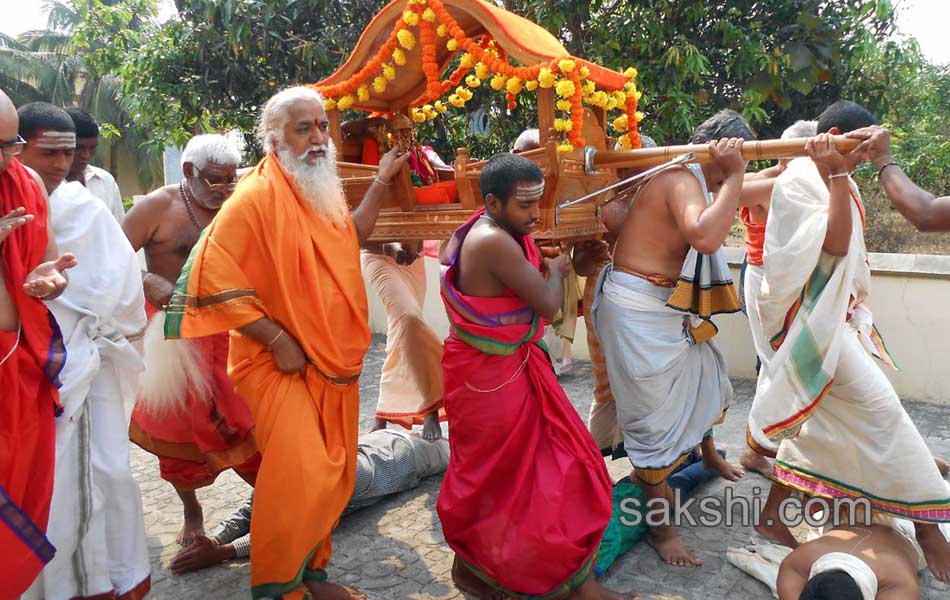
406, 39
565, 147
410, 17
482, 71
429, 15
345, 102
389, 72
514, 86
625, 142
639, 115
546, 78
464, 93
379, 84
588, 88
440, 107
566, 65
601, 99
584, 72
429, 112
563, 125
620, 123
498, 82
399, 57
531, 85
620, 97
452, 45
611, 103
417, 116
564, 105
638, 94
329, 104
455, 101
442, 30
565, 88
630, 73
363, 93
467, 61
472, 81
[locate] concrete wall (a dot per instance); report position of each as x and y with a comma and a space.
908, 296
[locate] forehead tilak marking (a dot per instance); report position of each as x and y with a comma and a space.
55, 140
530, 192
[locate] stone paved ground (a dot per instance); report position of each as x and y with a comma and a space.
395, 549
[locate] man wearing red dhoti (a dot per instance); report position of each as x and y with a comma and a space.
527, 497
31, 356
187, 412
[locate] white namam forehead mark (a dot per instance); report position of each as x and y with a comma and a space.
55, 140
529, 192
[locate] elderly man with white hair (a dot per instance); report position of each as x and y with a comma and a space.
279, 268
186, 412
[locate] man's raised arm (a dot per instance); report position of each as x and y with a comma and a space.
920, 207
705, 228
364, 216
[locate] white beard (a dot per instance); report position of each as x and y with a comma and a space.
319, 183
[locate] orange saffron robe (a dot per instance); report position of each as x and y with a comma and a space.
267, 254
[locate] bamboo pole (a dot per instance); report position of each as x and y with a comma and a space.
751, 150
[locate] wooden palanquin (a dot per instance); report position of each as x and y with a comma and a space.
402, 218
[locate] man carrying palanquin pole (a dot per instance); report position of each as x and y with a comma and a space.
187, 413
823, 408
527, 498
279, 267
32, 354
651, 314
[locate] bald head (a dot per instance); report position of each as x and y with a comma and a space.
9, 125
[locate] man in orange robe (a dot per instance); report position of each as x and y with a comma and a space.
32, 354
279, 267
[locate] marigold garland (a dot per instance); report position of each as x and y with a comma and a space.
571, 82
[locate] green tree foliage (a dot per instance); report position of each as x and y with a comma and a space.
215, 64
50, 65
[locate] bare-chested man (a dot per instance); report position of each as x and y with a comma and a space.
187, 412
651, 312
855, 562
527, 497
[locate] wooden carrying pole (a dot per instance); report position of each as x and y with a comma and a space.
751, 150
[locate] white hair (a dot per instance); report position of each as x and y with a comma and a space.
203, 150
529, 139
801, 129
274, 115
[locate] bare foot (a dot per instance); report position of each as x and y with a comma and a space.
431, 431
671, 548
591, 590
333, 591
753, 461
716, 463
775, 531
201, 554
943, 466
379, 424
194, 519
468, 582
936, 550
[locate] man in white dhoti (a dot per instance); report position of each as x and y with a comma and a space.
410, 385
822, 405
651, 313
96, 521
